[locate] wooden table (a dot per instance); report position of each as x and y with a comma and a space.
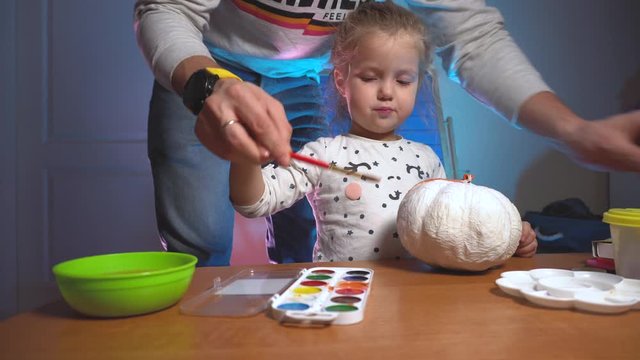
412, 312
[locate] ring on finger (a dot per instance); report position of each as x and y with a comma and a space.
229, 123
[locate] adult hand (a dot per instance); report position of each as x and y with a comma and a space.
528, 242
608, 144
260, 131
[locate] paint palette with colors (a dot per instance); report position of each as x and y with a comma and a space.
323, 296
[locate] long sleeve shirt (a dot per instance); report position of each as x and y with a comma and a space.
293, 38
355, 219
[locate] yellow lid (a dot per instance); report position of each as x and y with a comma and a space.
623, 217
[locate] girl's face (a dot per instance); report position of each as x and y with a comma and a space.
380, 84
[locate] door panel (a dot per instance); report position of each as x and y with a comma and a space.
8, 255
108, 211
83, 178
97, 76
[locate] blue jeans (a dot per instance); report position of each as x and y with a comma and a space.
191, 190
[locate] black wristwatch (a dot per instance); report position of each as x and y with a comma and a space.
200, 86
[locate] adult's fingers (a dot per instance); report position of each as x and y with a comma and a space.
629, 143
265, 121
608, 144
228, 140
236, 137
263, 118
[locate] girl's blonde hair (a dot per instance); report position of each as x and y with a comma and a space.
373, 18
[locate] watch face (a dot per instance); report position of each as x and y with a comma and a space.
198, 88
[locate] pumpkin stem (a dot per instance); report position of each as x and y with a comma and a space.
466, 178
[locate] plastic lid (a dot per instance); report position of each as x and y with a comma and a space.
623, 217
246, 293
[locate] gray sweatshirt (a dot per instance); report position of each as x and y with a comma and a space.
293, 38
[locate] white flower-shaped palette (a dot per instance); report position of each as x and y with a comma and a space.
566, 289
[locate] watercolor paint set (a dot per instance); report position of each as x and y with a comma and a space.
323, 296
317, 296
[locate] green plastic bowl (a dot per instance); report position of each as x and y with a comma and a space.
124, 284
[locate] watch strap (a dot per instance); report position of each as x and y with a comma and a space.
200, 85
223, 73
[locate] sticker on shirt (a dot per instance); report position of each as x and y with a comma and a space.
353, 191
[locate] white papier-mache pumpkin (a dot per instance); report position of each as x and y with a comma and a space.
458, 225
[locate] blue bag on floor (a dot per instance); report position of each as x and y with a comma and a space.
566, 226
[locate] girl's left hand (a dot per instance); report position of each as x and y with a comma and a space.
528, 242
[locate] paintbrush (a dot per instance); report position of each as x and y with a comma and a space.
334, 167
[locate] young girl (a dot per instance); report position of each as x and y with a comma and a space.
380, 54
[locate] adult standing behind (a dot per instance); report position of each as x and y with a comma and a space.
278, 50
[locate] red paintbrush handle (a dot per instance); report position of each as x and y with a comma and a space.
310, 160
325, 165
